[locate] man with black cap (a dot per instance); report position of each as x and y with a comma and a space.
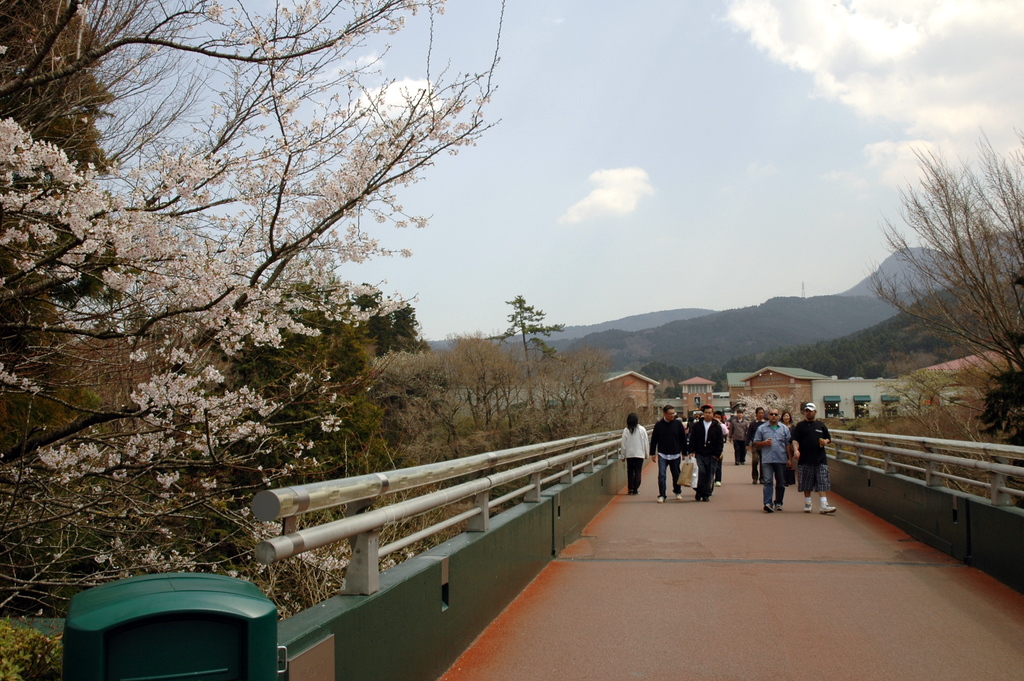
809, 439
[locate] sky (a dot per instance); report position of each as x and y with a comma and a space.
662, 154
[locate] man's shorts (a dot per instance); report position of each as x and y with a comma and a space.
813, 478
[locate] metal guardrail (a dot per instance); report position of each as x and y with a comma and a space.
565, 457
935, 460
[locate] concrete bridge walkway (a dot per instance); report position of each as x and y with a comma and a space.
722, 590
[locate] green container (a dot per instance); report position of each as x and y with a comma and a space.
171, 627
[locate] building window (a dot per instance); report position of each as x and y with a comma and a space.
832, 406
861, 406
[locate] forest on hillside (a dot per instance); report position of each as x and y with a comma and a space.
887, 350
713, 339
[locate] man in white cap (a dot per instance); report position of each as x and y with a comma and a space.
809, 439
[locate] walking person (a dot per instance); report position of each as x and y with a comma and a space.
706, 441
634, 449
774, 441
720, 419
738, 435
755, 455
787, 420
809, 439
668, 444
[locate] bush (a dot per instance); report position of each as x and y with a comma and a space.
27, 654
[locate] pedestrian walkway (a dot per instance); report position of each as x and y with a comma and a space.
722, 590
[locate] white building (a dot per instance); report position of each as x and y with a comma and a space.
853, 397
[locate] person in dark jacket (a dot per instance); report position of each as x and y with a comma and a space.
706, 441
668, 444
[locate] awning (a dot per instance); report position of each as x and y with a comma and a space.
862, 398
831, 398
890, 398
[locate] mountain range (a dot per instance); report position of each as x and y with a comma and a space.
704, 338
715, 338
850, 332
637, 322
890, 348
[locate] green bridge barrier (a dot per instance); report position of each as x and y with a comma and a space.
432, 606
410, 623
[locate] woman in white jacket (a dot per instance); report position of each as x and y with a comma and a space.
634, 449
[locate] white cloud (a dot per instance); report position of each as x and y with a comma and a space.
897, 161
618, 192
943, 69
395, 98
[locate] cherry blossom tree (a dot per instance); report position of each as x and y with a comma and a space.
220, 221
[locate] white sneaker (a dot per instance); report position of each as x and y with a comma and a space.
718, 483
778, 508
826, 509
661, 500
807, 507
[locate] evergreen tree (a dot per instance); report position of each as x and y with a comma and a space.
391, 331
526, 321
63, 111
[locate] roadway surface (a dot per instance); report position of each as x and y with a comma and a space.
722, 590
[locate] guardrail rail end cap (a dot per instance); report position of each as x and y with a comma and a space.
266, 506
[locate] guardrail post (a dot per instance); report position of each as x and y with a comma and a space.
362, 577
589, 468
998, 497
482, 521
533, 496
567, 475
930, 479
859, 456
889, 468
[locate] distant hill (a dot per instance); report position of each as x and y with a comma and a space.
890, 348
892, 268
637, 322
715, 338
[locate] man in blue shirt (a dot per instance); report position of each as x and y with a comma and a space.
775, 442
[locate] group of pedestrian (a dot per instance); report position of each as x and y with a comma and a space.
669, 443
775, 445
